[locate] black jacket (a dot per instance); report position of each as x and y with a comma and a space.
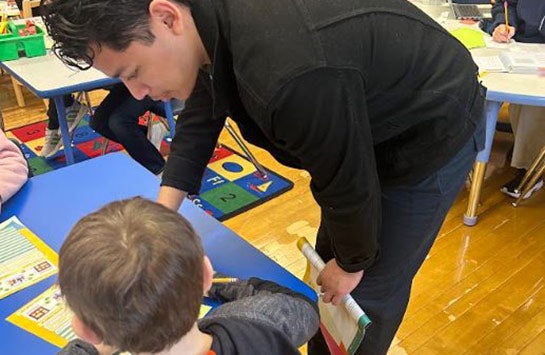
361, 93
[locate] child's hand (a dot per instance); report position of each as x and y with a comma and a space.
503, 33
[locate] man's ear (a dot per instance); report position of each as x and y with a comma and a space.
166, 14
207, 273
84, 332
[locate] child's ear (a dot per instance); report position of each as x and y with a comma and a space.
207, 273
84, 332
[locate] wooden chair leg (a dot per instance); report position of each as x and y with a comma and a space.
18, 92
105, 143
88, 103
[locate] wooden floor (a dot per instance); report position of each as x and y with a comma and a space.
480, 291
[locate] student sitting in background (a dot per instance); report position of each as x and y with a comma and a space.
74, 114
13, 167
117, 119
526, 24
134, 275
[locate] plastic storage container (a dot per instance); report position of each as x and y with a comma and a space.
12, 46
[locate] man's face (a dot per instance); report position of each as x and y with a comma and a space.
162, 70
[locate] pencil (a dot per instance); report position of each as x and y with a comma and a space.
506, 18
224, 280
3, 23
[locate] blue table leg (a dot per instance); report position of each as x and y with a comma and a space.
170, 119
492, 109
66, 139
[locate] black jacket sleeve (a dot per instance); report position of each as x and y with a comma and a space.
321, 118
266, 302
231, 291
197, 132
78, 347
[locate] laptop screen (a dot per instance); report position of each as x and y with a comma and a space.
470, 9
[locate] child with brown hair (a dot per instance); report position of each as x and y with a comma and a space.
134, 274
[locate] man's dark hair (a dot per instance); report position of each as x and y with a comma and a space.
77, 25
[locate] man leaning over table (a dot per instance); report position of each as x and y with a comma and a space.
372, 97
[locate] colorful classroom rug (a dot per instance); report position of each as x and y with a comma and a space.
230, 185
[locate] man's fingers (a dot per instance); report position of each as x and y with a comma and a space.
336, 300
331, 297
511, 32
327, 297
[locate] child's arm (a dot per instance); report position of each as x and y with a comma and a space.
13, 168
78, 347
292, 313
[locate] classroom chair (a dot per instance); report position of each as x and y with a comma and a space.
533, 174
1, 120
28, 5
17, 88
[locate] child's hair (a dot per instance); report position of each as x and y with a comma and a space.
133, 273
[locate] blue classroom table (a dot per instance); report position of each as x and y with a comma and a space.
52, 203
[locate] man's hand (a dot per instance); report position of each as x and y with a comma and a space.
336, 283
503, 33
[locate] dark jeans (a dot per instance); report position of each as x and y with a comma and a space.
117, 119
411, 219
52, 116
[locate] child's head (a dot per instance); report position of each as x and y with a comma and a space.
132, 273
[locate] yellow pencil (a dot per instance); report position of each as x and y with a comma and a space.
224, 280
3, 23
506, 17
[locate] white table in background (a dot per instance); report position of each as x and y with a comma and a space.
522, 89
49, 78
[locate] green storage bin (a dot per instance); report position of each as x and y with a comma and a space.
12, 45
8, 47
